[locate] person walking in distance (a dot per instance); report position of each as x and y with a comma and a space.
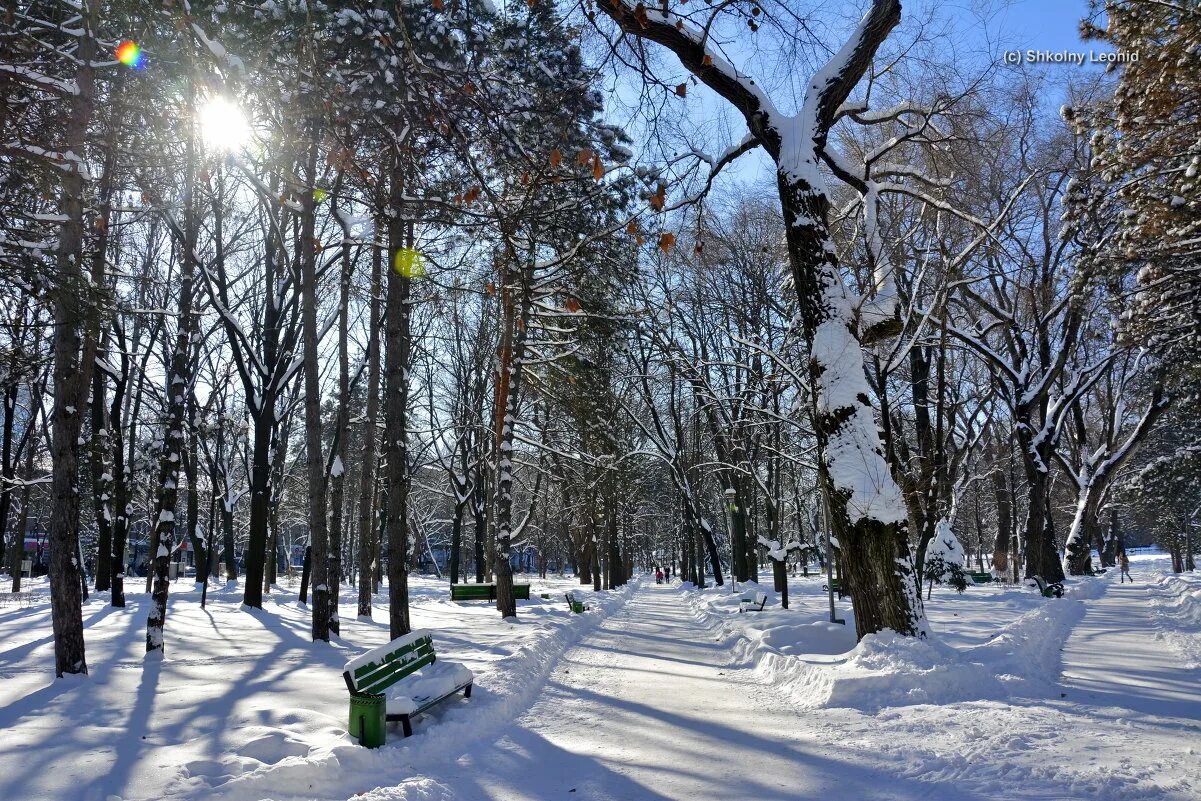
1124, 566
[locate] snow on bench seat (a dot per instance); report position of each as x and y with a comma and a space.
426, 686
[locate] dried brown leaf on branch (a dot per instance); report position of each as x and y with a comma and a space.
556, 158
659, 199
667, 241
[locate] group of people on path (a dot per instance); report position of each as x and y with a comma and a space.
661, 576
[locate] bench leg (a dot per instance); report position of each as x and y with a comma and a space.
406, 725
467, 691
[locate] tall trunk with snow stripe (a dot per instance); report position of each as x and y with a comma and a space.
515, 289
179, 380
867, 512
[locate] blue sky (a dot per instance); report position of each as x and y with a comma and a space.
1043, 24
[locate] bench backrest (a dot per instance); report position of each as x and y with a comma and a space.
389, 667
760, 598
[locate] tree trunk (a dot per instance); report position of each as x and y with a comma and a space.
341, 434
101, 484
178, 388
515, 287
396, 400
1000, 562
318, 532
367, 471
871, 531
71, 375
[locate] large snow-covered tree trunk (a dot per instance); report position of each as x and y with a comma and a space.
1093, 480
867, 511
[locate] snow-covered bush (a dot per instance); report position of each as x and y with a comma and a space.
945, 559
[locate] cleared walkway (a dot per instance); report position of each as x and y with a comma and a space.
645, 708
1114, 657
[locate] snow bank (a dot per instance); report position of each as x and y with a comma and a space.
820, 665
1176, 601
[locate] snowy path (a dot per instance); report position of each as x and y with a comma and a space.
644, 709
1115, 659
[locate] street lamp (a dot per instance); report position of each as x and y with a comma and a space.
731, 510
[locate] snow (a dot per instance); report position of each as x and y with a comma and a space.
244, 705
664, 692
432, 681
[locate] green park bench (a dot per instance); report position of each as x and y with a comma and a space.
1052, 590
752, 601
576, 603
394, 668
836, 586
485, 592
981, 578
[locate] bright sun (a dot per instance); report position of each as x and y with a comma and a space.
223, 125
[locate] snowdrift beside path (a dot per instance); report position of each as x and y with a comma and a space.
1176, 600
820, 666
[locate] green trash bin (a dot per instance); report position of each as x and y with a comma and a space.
367, 717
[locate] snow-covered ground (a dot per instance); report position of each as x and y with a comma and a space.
245, 706
662, 693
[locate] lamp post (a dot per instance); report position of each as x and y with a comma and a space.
834, 618
596, 543
731, 510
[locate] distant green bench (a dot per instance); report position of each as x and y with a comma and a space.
485, 592
834, 585
576, 603
386, 667
981, 578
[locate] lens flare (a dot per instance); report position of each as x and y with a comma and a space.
129, 54
408, 263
